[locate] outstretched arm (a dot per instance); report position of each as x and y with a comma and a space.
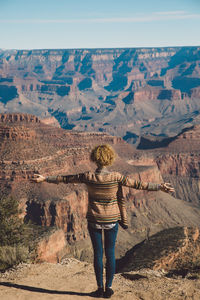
79, 178
140, 185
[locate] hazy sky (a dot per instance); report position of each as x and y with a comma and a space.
36, 24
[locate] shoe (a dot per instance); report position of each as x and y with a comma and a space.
108, 292
99, 293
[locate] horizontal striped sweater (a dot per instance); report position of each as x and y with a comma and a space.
105, 197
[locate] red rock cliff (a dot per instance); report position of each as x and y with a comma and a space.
53, 151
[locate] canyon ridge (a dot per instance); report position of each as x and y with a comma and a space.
125, 92
30, 146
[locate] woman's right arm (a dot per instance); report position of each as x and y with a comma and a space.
78, 178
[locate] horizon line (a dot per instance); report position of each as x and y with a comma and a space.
97, 48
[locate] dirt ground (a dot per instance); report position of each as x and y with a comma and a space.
73, 279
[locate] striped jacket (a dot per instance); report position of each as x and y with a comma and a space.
105, 197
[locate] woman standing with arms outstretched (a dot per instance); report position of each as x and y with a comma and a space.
105, 209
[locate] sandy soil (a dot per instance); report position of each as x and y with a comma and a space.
73, 279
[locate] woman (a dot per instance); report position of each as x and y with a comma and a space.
105, 209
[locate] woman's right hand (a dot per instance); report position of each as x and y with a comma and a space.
38, 178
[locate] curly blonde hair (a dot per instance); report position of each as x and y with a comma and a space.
103, 155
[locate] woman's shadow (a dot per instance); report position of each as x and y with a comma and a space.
41, 290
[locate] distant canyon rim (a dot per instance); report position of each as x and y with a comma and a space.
128, 92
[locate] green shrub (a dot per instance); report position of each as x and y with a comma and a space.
15, 236
11, 227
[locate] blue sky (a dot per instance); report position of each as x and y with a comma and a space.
39, 24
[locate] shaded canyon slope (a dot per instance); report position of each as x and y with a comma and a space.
125, 92
177, 159
29, 146
175, 250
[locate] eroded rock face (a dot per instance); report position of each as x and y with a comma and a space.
178, 161
57, 151
174, 248
14, 133
104, 89
153, 94
52, 247
49, 151
67, 213
18, 117
184, 164
51, 121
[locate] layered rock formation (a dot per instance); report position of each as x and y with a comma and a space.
178, 161
52, 150
29, 146
119, 91
172, 249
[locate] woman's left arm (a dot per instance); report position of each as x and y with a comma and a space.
140, 185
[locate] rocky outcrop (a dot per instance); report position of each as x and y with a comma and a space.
172, 249
8, 131
52, 247
186, 141
157, 94
184, 164
18, 117
178, 161
14, 133
51, 121
179, 155
67, 213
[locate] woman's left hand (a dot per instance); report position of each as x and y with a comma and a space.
167, 187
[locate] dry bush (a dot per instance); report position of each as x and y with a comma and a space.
12, 255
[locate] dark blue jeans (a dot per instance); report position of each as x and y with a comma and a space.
110, 236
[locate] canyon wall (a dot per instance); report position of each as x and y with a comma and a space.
52, 247
119, 91
178, 161
29, 146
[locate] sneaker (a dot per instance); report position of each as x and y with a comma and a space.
99, 293
108, 292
